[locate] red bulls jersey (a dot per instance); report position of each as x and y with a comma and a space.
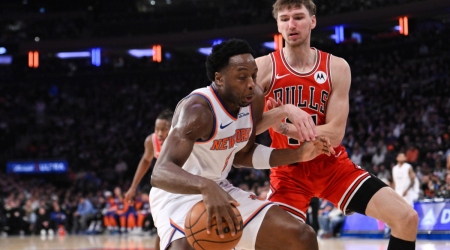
156, 146
309, 91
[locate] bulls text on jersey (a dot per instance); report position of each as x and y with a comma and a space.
294, 95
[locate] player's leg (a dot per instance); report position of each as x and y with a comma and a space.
379, 201
386, 205
180, 244
157, 242
279, 230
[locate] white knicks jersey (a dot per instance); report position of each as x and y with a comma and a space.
401, 177
214, 157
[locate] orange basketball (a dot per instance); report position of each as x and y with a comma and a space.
199, 239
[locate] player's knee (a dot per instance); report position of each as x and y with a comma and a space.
303, 235
413, 218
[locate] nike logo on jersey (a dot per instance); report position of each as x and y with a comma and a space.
279, 77
338, 154
222, 127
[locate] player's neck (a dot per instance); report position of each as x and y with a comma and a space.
302, 58
229, 105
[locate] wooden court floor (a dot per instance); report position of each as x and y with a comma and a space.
106, 242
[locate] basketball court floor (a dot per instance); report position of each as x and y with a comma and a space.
106, 242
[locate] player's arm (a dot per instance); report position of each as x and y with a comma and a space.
301, 119
412, 176
192, 122
262, 157
393, 184
144, 165
337, 107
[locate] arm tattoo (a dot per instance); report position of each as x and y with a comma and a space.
285, 128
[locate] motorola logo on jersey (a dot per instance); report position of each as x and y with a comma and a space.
320, 77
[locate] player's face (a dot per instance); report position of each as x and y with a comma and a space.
295, 25
240, 79
162, 128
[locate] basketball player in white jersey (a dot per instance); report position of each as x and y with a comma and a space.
213, 129
404, 180
318, 83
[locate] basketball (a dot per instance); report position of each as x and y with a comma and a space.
197, 236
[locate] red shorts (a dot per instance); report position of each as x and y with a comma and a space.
335, 179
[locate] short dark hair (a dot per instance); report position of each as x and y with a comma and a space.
166, 114
289, 4
221, 54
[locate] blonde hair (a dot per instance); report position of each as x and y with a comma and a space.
281, 4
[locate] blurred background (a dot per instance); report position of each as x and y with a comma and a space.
81, 84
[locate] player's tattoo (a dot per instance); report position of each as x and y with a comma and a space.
285, 128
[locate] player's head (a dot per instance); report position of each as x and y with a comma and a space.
401, 158
295, 20
144, 197
233, 70
162, 125
117, 192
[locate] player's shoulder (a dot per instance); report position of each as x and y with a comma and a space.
263, 61
339, 63
264, 64
149, 140
194, 111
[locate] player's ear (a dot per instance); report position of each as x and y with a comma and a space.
219, 78
313, 22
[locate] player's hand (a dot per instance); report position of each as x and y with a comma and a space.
310, 150
130, 195
218, 205
302, 121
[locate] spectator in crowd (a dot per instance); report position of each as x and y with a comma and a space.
384, 174
356, 156
58, 219
85, 212
378, 157
412, 155
329, 218
43, 223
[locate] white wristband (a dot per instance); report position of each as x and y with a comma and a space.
261, 157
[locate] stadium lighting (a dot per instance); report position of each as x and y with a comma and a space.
403, 23
278, 40
205, 51
140, 52
96, 56
5, 59
338, 34
269, 45
33, 59
357, 36
65, 55
157, 53
2, 50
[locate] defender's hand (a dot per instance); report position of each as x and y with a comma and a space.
130, 195
310, 150
218, 205
302, 121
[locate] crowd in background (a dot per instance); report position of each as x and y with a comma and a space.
85, 19
399, 102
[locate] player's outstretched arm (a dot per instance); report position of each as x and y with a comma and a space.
144, 165
262, 157
192, 121
337, 106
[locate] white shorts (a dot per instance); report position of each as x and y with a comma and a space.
170, 222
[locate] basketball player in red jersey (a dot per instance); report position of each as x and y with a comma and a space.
318, 83
152, 144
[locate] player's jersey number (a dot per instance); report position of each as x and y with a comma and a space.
292, 141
